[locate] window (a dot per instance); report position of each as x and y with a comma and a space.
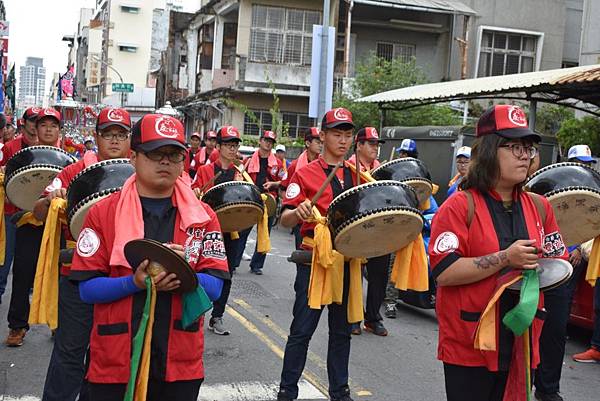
389, 51
298, 123
250, 126
130, 9
128, 48
504, 53
282, 35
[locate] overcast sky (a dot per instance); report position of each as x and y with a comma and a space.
36, 30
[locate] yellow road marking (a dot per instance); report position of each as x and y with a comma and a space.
314, 358
309, 376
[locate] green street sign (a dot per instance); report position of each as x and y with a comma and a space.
122, 87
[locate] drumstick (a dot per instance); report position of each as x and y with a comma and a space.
392, 153
210, 181
357, 165
327, 181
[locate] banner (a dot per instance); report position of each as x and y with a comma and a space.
3, 28
66, 83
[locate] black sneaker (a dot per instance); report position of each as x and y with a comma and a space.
282, 396
548, 397
390, 311
258, 272
344, 398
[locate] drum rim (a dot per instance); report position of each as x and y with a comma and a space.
34, 147
360, 216
80, 206
396, 161
237, 204
101, 194
100, 164
382, 183
555, 192
551, 286
232, 183
52, 167
562, 164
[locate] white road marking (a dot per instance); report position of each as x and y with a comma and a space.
254, 391
23, 398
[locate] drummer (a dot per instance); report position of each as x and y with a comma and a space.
408, 148
581, 154
463, 157
337, 136
228, 143
28, 239
472, 245
154, 203
312, 150
366, 146
27, 138
208, 153
267, 173
67, 367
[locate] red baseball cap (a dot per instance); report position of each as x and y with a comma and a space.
269, 135
31, 113
196, 134
311, 133
211, 135
368, 134
113, 116
336, 118
155, 130
507, 121
48, 112
228, 133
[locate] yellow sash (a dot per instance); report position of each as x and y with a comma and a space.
410, 270
29, 218
263, 242
593, 268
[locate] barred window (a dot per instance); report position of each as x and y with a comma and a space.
389, 51
505, 53
282, 35
263, 116
297, 122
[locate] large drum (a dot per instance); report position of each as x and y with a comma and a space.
30, 170
374, 219
237, 203
551, 272
92, 185
573, 190
410, 171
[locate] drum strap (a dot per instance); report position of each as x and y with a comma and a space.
537, 201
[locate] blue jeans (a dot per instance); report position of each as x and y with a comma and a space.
11, 230
258, 259
596, 333
303, 327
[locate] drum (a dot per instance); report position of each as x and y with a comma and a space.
551, 272
374, 219
573, 190
271, 205
237, 203
410, 171
30, 171
93, 184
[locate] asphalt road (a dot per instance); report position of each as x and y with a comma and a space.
246, 365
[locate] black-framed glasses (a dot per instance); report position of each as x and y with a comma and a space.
518, 150
121, 136
157, 156
231, 145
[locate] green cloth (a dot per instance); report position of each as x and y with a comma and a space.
195, 304
521, 316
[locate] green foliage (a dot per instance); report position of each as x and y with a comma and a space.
375, 75
550, 118
585, 131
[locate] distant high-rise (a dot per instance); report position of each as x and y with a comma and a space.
32, 83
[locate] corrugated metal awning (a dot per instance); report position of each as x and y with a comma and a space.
580, 83
440, 6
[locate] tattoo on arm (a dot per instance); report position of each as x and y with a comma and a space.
493, 260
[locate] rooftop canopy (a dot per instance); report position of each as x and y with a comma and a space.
439, 6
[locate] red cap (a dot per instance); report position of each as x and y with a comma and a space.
196, 134
113, 116
31, 113
211, 135
336, 118
155, 130
48, 112
507, 121
367, 134
269, 135
228, 133
311, 133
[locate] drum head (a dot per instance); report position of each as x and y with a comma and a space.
379, 234
238, 217
551, 272
27, 184
422, 187
138, 250
78, 214
271, 205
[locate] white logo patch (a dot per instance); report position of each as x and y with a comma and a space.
87, 243
446, 242
292, 191
56, 184
517, 116
166, 127
115, 115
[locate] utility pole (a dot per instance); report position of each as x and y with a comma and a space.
323, 66
116, 72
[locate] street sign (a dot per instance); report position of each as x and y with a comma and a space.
315, 71
122, 87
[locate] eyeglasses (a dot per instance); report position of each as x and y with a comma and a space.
121, 136
231, 145
157, 156
518, 150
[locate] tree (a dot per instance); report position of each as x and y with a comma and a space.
549, 118
585, 131
375, 75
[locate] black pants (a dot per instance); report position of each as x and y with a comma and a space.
464, 383
66, 370
557, 302
157, 391
377, 276
28, 239
231, 250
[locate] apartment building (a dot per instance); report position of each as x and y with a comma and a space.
32, 83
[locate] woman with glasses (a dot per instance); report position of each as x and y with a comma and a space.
463, 158
481, 238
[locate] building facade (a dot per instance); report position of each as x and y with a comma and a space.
32, 83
